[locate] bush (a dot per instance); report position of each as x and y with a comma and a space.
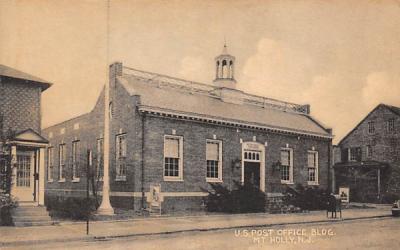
70, 207
310, 198
7, 203
243, 199
389, 198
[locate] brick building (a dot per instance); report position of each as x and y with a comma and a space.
20, 124
183, 135
368, 158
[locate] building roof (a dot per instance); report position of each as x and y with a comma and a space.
394, 109
201, 100
14, 73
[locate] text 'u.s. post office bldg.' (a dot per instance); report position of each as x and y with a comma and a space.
183, 135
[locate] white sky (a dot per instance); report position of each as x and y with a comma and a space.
342, 57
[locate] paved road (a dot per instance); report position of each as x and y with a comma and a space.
383, 233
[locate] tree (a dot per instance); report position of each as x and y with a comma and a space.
5, 158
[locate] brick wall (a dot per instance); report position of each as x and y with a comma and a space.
194, 144
126, 119
20, 105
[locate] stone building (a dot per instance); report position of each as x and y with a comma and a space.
181, 135
368, 157
20, 125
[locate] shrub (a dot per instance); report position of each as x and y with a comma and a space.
310, 198
76, 208
243, 199
7, 203
389, 198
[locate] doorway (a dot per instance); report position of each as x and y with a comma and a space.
253, 164
252, 174
24, 181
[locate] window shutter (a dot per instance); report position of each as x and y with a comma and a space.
171, 148
358, 154
212, 151
345, 155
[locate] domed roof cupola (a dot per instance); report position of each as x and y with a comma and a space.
225, 69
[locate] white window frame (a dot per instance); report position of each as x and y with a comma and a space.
50, 163
290, 181
62, 157
316, 155
219, 178
180, 161
75, 160
117, 159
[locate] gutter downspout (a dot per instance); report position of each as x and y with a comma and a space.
330, 167
142, 165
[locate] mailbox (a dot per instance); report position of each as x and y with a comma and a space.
334, 205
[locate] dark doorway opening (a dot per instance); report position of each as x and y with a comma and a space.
252, 173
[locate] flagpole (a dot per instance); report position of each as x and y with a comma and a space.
105, 207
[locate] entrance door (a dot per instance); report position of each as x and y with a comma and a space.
24, 182
252, 173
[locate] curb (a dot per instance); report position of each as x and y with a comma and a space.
99, 238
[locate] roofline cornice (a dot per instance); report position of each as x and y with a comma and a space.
217, 120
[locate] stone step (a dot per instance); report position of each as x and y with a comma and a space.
31, 218
30, 213
27, 204
35, 223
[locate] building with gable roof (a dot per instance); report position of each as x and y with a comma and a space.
367, 159
20, 127
181, 135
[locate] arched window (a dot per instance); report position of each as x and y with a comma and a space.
217, 70
230, 69
225, 72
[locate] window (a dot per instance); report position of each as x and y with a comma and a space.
50, 164
99, 158
62, 157
173, 167
120, 149
214, 160
369, 151
75, 160
312, 163
252, 156
371, 127
355, 154
390, 125
286, 165
24, 170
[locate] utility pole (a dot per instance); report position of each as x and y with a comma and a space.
88, 168
105, 207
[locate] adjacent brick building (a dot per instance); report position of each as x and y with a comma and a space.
368, 158
20, 119
182, 135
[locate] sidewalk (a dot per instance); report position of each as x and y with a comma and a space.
13, 236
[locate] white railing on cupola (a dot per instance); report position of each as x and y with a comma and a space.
164, 81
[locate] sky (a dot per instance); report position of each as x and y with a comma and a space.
341, 57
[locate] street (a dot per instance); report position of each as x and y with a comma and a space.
381, 233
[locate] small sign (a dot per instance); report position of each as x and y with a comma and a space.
344, 193
155, 196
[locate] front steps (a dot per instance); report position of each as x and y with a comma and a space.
30, 214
